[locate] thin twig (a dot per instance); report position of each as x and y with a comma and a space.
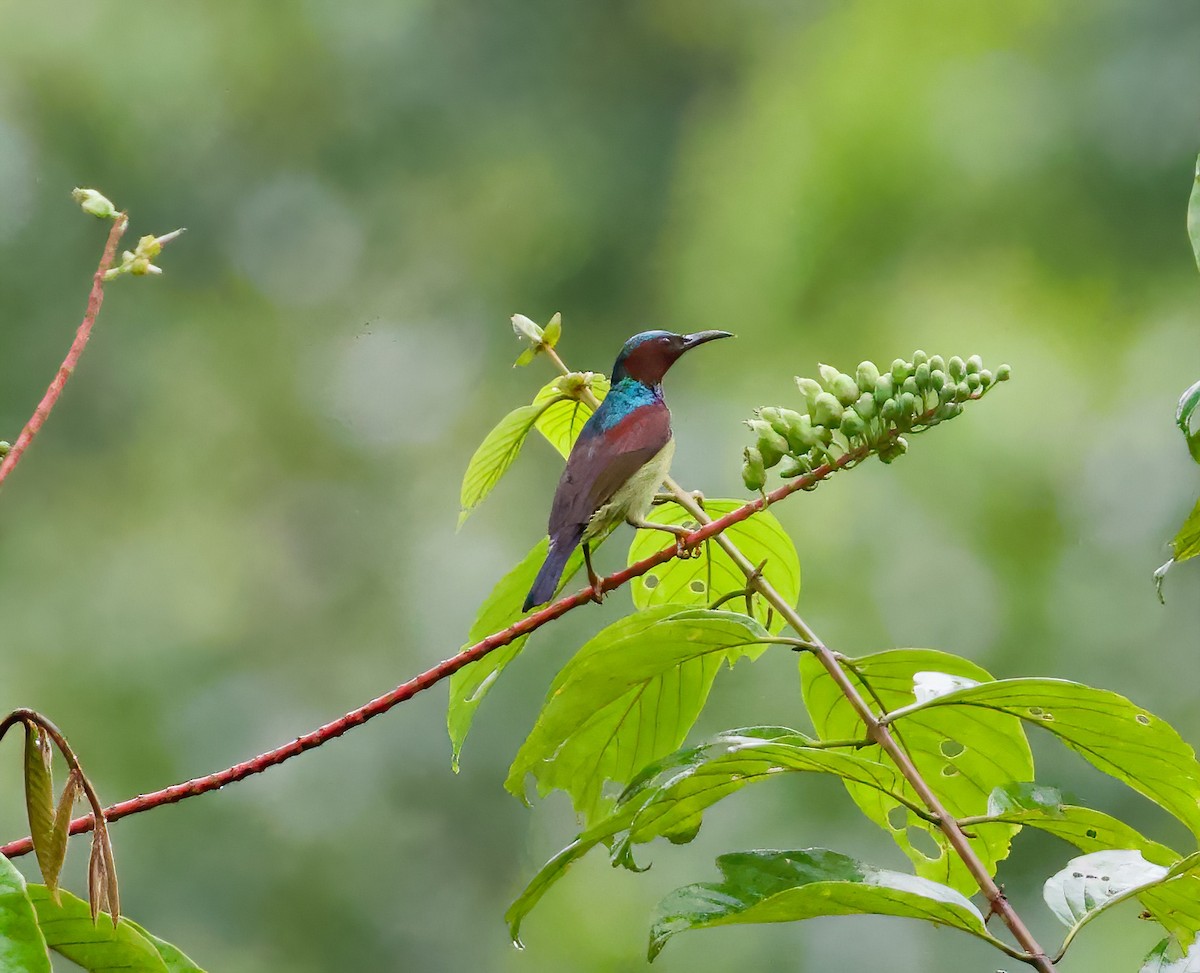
95, 299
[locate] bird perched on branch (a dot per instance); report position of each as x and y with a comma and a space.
620, 459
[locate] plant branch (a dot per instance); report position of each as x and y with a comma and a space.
84, 332
434, 675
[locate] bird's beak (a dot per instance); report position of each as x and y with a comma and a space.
691, 340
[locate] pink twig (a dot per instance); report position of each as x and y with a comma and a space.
95, 299
444, 669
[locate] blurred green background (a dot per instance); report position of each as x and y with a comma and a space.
240, 522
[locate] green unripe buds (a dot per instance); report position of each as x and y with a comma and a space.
771, 446
922, 375
810, 389
5, 448
793, 466
949, 410
937, 364
908, 405
867, 375
974, 365
910, 386
919, 358
890, 410
94, 203
802, 435
987, 379
827, 410
937, 379
828, 374
947, 393
844, 388
957, 368
865, 406
754, 474
852, 424
974, 382
1003, 373
962, 392
900, 370
894, 450
885, 388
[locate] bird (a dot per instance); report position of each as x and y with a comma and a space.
620, 459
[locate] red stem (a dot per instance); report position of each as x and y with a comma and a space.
95, 299
444, 669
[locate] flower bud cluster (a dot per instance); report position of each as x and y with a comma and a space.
874, 408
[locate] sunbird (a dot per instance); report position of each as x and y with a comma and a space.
620, 459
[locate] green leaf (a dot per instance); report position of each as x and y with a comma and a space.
1186, 545
1091, 884
1025, 796
495, 455
674, 809
628, 697
1110, 732
1193, 215
22, 945
39, 804
963, 758
1167, 957
565, 416
553, 331
1188, 404
499, 610
174, 958
785, 886
702, 580
97, 947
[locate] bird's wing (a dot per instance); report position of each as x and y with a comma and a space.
602, 461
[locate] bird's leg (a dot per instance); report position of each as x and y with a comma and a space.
681, 550
593, 577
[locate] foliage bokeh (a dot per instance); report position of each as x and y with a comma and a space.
240, 521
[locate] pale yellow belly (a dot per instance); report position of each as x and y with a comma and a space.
633, 499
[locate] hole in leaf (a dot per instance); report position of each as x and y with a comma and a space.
1143, 719
1077, 875
1047, 717
1035, 711
923, 843
650, 581
949, 770
897, 818
951, 748
697, 586
1091, 832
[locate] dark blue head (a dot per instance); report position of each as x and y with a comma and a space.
647, 356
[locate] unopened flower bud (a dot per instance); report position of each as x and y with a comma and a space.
865, 406
1003, 373
974, 365
937, 379
908, 405
974, 382
771, 446
852, 424
947, 393
844, 388
910, 386
919, 358
867, 374
963, 392
937, 363
890, 410
957, 368
94, 203
828, 373
5, 448
810, 389
799, 432
827, 410
895, 449
922, 376
754, 474
885, 388
949, 410
900, 370
793, 466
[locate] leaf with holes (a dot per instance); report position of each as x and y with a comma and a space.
564, 417
500, 609
628, 697
786, 886
1173, 905
99, 947
496, 454
22, 944
1091, 884
704, 579
1110, 732
1168, 957
962, 758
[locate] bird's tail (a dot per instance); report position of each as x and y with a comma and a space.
552, 568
